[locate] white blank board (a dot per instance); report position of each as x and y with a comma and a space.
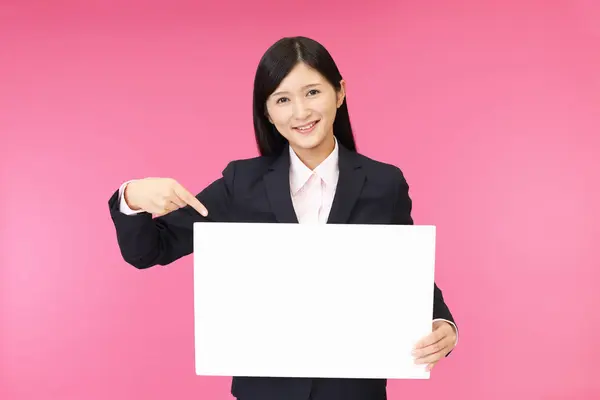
309, 300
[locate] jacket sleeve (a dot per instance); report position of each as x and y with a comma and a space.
145, 241
402, 216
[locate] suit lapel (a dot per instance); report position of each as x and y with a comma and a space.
277, 182
350, 183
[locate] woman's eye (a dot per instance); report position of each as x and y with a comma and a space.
281, 100
313, 92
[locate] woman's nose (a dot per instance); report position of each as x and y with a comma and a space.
301, 111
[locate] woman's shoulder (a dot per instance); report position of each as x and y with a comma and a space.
247, 171
380, 169
251, 165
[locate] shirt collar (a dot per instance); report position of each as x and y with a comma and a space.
328, 170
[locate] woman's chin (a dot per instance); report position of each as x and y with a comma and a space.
306, 142
312, 142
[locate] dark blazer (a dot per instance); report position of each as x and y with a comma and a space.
257, 190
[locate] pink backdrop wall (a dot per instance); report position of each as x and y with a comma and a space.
492, 111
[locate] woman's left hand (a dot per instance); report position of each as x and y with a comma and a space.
436, 345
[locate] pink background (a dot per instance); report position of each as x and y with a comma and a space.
492, 111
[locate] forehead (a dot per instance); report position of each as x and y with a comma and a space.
300, 76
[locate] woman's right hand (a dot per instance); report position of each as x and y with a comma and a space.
160, 196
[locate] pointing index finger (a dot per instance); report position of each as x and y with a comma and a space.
191, 200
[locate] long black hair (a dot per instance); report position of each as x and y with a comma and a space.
275, 64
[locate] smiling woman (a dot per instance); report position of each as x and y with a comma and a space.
306, 108
296, 110
308, 171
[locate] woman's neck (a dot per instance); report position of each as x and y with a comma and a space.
315, 156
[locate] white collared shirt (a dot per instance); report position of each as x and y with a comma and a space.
313, 191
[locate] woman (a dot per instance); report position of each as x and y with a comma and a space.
308, 172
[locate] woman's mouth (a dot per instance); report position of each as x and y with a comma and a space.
307, 128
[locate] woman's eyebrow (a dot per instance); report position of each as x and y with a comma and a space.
303, 88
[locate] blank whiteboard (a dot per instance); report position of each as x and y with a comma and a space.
312, 300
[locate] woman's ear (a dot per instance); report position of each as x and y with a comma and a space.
341, 94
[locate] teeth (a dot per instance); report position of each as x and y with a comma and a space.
304, 128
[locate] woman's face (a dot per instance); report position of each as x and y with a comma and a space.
303, 109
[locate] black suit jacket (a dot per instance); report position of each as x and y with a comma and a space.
257, 190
